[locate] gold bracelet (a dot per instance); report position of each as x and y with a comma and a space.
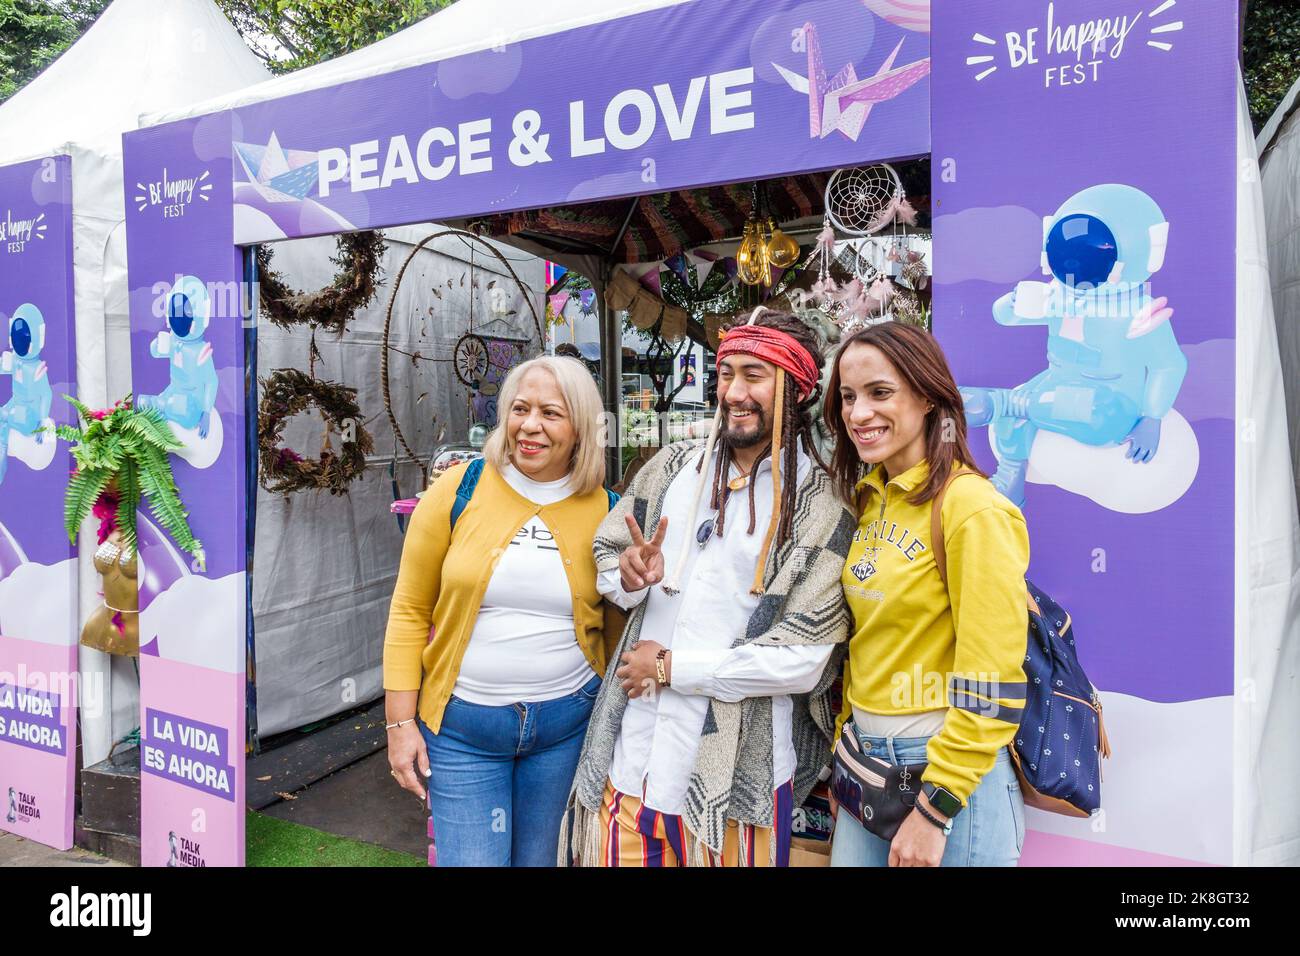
660, 674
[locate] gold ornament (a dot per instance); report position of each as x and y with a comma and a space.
117, 567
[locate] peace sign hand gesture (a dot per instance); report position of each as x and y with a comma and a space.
642, 564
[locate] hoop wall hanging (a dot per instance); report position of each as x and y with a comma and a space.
476, 358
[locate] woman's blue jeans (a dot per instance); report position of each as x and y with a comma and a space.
990, 831
501, 777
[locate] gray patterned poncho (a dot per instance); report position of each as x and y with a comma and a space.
802, 604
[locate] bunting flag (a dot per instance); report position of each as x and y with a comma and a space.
703, 262
554, 273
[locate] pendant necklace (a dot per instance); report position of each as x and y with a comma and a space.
740, 481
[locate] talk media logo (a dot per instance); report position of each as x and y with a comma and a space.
1059, 48
172, 195
17, 232
22, 807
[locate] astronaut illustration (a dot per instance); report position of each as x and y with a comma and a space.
189, 399
28, 411
1114, 366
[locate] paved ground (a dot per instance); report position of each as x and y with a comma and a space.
363, 803
15, 851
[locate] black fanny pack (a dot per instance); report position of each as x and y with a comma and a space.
878, 794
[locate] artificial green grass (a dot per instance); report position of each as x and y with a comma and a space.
272, 842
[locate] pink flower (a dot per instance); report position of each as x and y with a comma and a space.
105, 509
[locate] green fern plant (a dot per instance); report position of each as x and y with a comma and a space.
126, 448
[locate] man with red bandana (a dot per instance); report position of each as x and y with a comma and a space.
714, 721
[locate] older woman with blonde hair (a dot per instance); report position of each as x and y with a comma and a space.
500, 567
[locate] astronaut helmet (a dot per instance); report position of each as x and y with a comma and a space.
1109, 233
27, 331
189, 308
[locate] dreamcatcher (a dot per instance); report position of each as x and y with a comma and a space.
861, 202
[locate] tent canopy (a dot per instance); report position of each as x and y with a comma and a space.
139, 56
463, 27
655, 227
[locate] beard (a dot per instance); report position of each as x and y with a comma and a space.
745, 439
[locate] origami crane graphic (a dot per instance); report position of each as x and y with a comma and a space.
278, 175
844, 102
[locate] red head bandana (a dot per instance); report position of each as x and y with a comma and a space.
772, 345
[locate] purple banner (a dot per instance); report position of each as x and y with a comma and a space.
689, 95
187, 751
1084, 178
37, 368
38, 569
188, 307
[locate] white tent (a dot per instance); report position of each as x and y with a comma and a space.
1279, 157
464, 27
140, 56
1266, 829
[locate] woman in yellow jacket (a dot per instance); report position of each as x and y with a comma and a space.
935, 672
506, 681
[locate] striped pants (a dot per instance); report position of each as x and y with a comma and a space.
635, 835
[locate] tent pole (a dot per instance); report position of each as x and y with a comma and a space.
252, 306
611, 375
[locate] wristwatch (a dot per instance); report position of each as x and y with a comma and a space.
943, 801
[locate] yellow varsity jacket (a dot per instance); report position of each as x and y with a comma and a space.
442, 579
918, 646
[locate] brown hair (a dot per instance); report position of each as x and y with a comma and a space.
796, 426
919, 360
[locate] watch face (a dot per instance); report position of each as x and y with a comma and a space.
942, 800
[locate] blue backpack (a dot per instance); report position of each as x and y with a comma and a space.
469, 481
1061, 740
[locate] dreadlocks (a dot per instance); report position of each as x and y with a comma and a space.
796, 425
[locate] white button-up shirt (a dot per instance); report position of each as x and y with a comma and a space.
656, 747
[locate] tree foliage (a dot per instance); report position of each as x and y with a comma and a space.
291, 34
34, 32
1271, 51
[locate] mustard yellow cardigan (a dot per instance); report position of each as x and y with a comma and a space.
442, 579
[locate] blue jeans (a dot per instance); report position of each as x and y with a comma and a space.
990, 831
501, 777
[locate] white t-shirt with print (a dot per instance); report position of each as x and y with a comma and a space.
523, 646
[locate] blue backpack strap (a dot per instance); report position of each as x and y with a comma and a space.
465, 490
613, 498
